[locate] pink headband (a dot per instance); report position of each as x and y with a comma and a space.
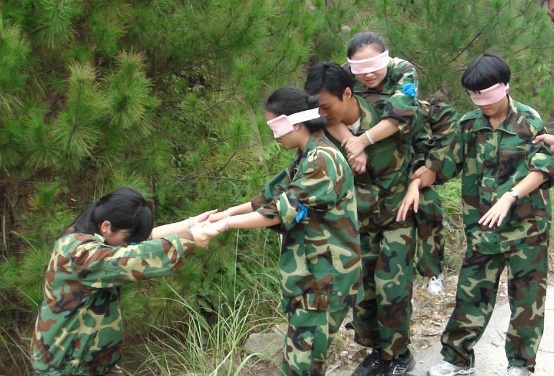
490, 95
372, 64
283, 124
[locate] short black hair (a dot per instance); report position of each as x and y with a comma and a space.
330, 77
289, 100
363, 39
485, 71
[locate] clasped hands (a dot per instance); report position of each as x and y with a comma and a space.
205, 226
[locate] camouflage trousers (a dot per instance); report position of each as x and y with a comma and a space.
309, 336
430, 234
475, 298
382, 319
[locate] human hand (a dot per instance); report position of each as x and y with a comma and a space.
426, 175
353, 146
202, 234
358, 163
411, 198
202, 217
218, 216
547, 139
496, 214
219, 226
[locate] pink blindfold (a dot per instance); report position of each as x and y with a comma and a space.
372, 64
490, 95
284, 124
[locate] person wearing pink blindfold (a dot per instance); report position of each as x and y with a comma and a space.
506, 206
389, 85
312, 203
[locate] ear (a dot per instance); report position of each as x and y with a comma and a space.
347, 94
105, 228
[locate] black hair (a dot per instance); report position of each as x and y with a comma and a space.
290, 100
363, 39
125, 208
330, 77
485, 71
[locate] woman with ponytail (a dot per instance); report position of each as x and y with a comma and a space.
312, 203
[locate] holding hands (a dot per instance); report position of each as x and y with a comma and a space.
196, 226
358, 163
354, 146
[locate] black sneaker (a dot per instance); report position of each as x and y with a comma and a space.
372, 365
399, 365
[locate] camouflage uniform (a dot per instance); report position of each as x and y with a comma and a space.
382, 319
438, 121
435, 152
492, 161
320, 255
79, 329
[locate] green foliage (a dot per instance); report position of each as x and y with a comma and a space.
166, 96
444, 36
208, 342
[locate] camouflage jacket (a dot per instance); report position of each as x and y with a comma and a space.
432, 124
320, 253
79, 325
492, 161
381, 188
396, 97
434, 145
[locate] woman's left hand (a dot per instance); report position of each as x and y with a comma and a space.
496, 214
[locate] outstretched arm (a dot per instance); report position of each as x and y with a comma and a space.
178, 227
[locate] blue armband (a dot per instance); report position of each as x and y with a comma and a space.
410, 89
302, 212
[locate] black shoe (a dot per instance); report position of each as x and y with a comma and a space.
399, 365
372, 365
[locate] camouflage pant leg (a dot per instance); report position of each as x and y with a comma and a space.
527, 279
382, 320
309, 336
476, 297
430, 234
364, 314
